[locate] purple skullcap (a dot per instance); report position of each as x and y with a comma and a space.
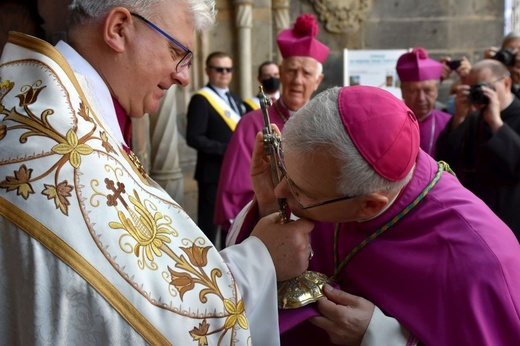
416, 66
383, 129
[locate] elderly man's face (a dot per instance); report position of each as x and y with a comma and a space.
299, 77
311, 180
150, 67
420, 96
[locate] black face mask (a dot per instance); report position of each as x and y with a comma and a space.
271, 84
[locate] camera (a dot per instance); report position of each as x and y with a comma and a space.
476, 94
505, 56
453, 64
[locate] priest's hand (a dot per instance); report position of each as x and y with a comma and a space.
288, 244
345, 317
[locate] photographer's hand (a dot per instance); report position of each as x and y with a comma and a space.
462, 106
463, 70
446, 70
491, 113
490, 52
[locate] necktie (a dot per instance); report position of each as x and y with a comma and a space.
231, 103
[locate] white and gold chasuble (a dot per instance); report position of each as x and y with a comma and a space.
129, 249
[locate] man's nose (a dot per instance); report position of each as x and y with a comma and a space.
181, 78
421, 95
298, 77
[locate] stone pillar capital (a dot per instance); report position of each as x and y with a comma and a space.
243, 2
280, 4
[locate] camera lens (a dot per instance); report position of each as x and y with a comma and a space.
505, 56
476, 93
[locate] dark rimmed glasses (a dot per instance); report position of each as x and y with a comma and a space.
222, 69
186, 60
295, 190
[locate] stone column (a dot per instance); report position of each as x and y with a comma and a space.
54, 13
282, 20
244, 23
165, 168
141, 140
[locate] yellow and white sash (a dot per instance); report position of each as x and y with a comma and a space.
222, 107
254, 103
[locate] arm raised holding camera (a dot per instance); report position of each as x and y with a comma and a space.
462, 106
461, 66
491, 111
481, 97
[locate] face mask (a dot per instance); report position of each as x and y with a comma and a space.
450, 104
271, 84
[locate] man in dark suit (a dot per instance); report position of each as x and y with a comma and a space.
213, 113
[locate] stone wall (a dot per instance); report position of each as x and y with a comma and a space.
444, 27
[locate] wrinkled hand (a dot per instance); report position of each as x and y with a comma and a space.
261, 177
288, 244
345, 317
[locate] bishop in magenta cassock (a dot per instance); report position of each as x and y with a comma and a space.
420, 75
431, 257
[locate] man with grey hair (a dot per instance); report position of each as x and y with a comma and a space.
411, 245
93, 251
509, 55
482, 141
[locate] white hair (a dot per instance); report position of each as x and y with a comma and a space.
203, 11
319, 69
511, 35
317, 127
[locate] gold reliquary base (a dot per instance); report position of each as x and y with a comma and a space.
301, 290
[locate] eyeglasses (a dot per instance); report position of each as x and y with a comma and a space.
295, 190
186, 60
222, 69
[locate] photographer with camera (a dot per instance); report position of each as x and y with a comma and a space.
509, 55
461, 67
482, 140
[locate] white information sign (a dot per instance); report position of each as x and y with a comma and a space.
373, 67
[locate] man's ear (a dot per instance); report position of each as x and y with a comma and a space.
371, 205
508, 83
118, 24
320, 78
